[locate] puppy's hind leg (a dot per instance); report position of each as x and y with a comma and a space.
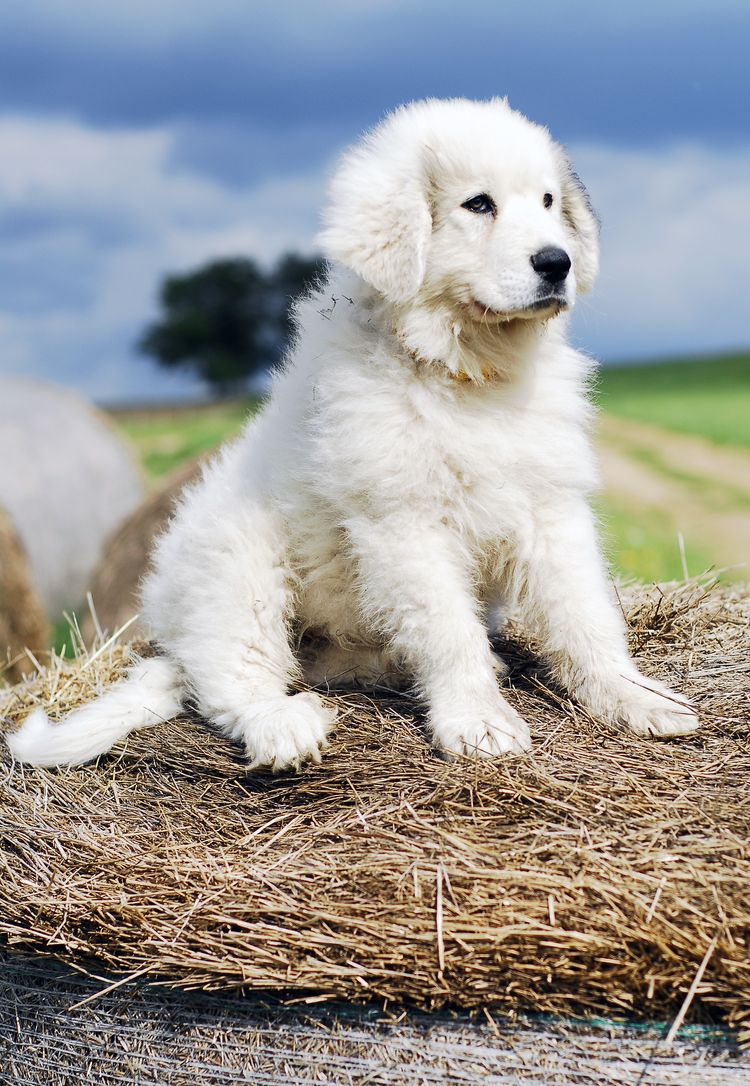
230, 591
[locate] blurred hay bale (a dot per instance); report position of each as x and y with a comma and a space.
125, 556
68, 478
594, 876
23, 622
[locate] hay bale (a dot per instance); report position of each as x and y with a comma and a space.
596, 875
68, 478
54, 1021
23, 622
126, 554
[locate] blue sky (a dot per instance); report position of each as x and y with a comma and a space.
145, 136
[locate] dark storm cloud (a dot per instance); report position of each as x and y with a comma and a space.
242, 154
310, 75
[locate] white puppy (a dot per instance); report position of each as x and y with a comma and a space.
422, 463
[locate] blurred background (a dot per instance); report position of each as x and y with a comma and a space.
162, 170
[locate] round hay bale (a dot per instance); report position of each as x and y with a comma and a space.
601, 874
23, 622
68, 478
125, 557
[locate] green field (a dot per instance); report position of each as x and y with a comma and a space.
164, 438
645, 545
705, 396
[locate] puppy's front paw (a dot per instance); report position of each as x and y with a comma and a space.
647, 707
657, 710
282, 732
484, 732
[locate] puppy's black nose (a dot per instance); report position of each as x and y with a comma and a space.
552, 264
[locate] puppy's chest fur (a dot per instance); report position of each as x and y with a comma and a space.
491, 459
480, 463
481, 460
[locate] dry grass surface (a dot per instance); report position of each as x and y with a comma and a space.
602, 874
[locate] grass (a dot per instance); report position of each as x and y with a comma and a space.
706, 396
715, 493
644, 543
62, 640
164, 439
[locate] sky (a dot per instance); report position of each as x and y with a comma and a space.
141, 137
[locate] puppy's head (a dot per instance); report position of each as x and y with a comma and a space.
467, 204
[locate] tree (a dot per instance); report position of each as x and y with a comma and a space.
228, 320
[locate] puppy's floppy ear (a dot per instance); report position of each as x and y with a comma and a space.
583, 223
378, 220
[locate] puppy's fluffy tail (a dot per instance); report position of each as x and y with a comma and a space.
149, 694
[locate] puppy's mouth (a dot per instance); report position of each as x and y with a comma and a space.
540, 309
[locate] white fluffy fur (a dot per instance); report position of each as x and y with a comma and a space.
149, 695
421, 470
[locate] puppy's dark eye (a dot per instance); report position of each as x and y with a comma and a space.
480, 205
548, 199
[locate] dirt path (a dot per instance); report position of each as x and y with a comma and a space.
704, 487
682, 452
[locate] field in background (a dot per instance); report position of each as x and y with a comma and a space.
674, 443
166, 437
702, 396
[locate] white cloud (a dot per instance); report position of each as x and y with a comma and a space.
109, 212
675, 229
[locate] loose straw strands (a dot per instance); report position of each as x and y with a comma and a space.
591, 876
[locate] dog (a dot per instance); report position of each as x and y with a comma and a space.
421, 470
